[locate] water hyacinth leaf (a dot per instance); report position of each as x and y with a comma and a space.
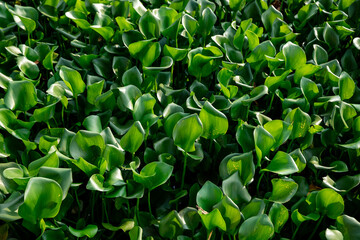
25, 17
346, 86
298, 218
146, 51
348, 226
330, 203
333, 234
356, 43
309, 88
230, 213
171, 225
105, 32
134, 137
73, 80
207, 21
254, 208
132, 76
320, 55
265, 48
213, 220
186, 131
203, 58
278, 215
44, 114
149, 25
21, 95
89, 231
177, 54
256, 228
269, 16
87, 145
283, 190
153, 174
9, 208
97, 183
301, 122
208, 196
294, 56
63, 176
344, 184
241, 163
29, 68
50, 160
235, 190
237, 5
214, 122
264, 141
282, 164
42, 199
330, 36
126, 225
280, 130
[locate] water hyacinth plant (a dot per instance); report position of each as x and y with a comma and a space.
179, 119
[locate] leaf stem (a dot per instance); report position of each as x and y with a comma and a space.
316, 227
149, 202
258, 184
183, 173
137, 210
296, 230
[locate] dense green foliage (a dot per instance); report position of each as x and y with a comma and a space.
183, 119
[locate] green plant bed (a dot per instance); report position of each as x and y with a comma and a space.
184, 119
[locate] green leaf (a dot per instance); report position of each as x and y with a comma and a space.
301, 122
25, 17
207, 21
282, 164
280, 130
149, 25
348, 226
105, 32
320, 55
89, 231
309, 89
330, 36
213, 220
171, 225
346, 86
208, 196
9, 208
330, 203
126, 225
283, 190
264, 142
132, 76
279, 215
44, 114
42, 199
96, 183
235, 190
186, 131
237, 5
294, 56
72, 79
269, 16
298, 218
265, 48
256, 228
177, 54
133, 139
87, 145
254, 208
29, 68
50, 160
146, 51
333, 234
230, 213
63, 176
214, 122
241, 163
153, 174
21, 95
